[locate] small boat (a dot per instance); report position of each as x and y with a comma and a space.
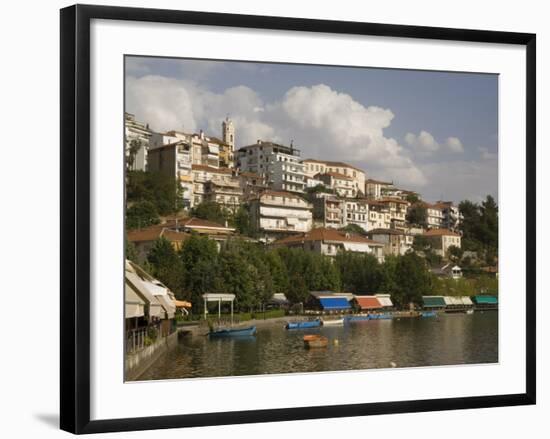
233, 332
334, 322
384, 316
428, 314
469, 311
303, 325
315, 341
357, 318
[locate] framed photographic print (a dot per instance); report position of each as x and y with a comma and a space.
285, 218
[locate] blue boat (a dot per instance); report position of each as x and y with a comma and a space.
303, 325
233, 332
384, 316
358, 318
428, 314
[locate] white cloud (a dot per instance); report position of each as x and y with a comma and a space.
461, 179
322, 122
423, 143
486, 154
454, 144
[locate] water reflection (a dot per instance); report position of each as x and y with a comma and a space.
449, 339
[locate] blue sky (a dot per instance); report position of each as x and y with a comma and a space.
434, 132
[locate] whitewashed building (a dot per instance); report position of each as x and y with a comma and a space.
136, 143
434, 215
342, 185
276, 213
375, 189
442, 239
330, 242
278, 164
355, 211
312, 167
395, 242
216, 184
451, 215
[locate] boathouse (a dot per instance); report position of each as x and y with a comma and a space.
433, 303
385, 301
483, 302
331, 302
367, 303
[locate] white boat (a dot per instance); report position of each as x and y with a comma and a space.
469, 311
334, 322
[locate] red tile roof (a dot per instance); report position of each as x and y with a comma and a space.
202, 223
335, 175
336, 164
371, 181
153, 233
327, 234
440, 232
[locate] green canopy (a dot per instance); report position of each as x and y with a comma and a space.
486, 300
433, 301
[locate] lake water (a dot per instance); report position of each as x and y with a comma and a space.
406, 342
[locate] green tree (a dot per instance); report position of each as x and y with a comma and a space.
211, 211
167, 267
412, 278
199, 257
243, 224
421, 244
157, 188
412, 198
133, 149
131, 252
417, 214
141, 214
353, 228
455, 253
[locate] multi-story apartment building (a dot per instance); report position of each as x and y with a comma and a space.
379, 215
277, 213
312, 167
174, 159
216, 184
396, 242
442, 239
374, 188
355, 211
434, 215
330, 242
136, 138
328, 211
278, 164
252, 184
397, 209
342, 185
451, 215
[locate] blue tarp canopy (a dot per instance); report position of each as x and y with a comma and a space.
334, 303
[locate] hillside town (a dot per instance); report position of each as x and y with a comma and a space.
219, 236
291, 201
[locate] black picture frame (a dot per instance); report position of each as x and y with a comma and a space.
75, 217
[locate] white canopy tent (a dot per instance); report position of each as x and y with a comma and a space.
213, 297
134, 306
